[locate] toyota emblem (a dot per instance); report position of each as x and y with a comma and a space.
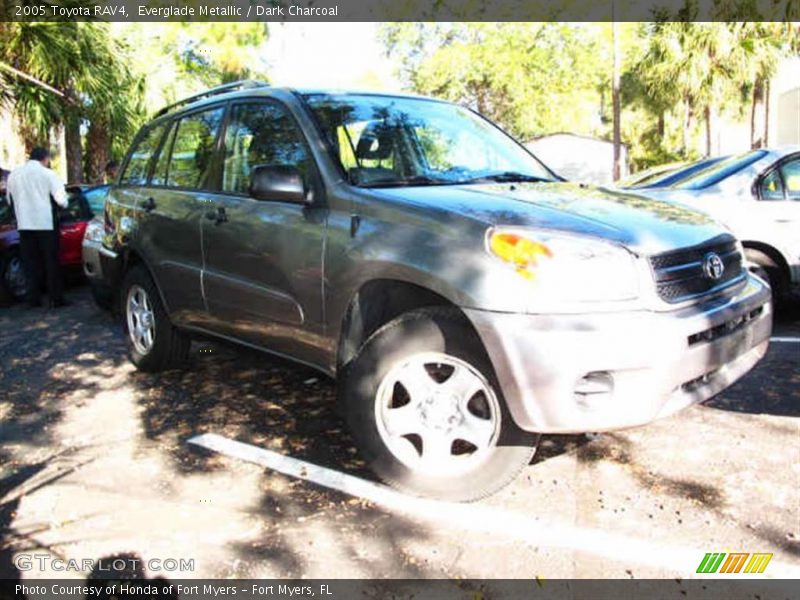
713, 266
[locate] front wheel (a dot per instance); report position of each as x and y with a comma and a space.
154, 344
770, 271
424, 407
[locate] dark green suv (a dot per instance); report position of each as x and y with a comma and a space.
464, 296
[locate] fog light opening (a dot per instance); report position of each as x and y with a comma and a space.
594, 390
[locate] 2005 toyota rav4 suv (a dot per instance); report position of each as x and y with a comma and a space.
465, 297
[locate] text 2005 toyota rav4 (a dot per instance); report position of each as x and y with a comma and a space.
465, 298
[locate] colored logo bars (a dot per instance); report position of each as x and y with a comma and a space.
713, 562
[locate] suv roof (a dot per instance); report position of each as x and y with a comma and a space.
255, 85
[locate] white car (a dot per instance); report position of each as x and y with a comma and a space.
757, 195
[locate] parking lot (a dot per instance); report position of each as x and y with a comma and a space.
96, 462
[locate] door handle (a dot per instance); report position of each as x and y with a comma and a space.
149, 205
218, 216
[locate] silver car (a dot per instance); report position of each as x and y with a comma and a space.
757, 195
92, 247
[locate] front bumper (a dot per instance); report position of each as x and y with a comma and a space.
640, 365
92, 266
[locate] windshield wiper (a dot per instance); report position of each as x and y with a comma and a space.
506, 177
408, 182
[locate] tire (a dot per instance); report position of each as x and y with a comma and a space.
103, 296
768, 269
155, 345
429, 362
12, 276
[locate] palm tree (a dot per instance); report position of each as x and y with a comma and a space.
78, 65
759, 50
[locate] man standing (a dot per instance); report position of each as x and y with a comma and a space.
31, 188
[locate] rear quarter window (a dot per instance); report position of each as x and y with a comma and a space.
146, 146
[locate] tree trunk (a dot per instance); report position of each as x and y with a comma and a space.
687, 125
30, 139
766, 113
72, 143
662, 128
97, 152
758, 96
707, 114
617, 171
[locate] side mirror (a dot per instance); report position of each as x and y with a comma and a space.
279, 184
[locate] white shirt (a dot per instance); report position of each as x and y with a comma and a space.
30, 187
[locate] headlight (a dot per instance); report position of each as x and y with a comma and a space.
94, 231
567, 268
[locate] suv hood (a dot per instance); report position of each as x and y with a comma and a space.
646, 226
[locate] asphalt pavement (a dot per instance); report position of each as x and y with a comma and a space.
95, 463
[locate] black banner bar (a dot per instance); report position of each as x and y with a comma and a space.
159, 588
277, 11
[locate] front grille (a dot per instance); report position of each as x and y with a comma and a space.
680, 274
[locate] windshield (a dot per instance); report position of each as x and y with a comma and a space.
383, 141
719, 171
674, 176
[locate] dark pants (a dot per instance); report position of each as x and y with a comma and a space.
39, 253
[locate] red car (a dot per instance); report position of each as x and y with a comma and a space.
84, 203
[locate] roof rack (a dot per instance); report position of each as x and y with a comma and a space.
220, 89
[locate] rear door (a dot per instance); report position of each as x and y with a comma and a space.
263, 259
173, 203
126, 196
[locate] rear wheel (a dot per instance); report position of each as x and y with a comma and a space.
424, 406
154, 344
12, 275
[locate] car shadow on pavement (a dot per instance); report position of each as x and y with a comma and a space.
51, 362
250, 396
272, 403
46, 355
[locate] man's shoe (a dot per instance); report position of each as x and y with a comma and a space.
61, 302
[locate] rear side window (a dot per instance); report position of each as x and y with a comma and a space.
75, 209
193, 149
142, 156
160, 173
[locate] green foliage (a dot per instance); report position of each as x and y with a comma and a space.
519, 74
107, 77
540, 78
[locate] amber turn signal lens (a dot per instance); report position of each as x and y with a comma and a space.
519, 251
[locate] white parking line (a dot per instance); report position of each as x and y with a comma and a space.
679, 560
785, 340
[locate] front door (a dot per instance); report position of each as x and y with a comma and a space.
778, 208
263, 259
